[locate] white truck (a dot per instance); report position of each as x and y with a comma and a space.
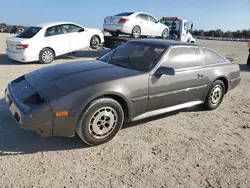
179, 28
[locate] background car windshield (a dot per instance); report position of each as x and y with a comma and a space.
133, 55
29, 32
124, 14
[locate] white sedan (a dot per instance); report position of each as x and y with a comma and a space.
136, 24
46, 41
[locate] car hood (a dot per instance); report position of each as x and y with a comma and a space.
53, 81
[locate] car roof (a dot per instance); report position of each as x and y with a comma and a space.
49, 24
164, 42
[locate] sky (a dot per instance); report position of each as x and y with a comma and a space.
205, 14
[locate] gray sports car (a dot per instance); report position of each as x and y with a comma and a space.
136, 80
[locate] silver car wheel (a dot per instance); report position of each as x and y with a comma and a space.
95, 41
165, 34
47, 56
136, 32
103, 122
216, 95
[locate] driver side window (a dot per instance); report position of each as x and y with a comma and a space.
185, 26
70, 28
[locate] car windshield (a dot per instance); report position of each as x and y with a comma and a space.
135, 55
29, 32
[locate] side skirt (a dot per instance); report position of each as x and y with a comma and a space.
165, 110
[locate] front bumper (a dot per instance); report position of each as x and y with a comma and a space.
24, 119
234, 83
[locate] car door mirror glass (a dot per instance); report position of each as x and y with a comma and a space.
165, 71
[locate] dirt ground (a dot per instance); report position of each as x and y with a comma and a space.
188, 148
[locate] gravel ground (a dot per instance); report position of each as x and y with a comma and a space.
188, 148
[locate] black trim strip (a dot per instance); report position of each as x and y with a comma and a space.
176, 91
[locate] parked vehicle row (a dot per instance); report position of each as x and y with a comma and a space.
44, 42
137, 80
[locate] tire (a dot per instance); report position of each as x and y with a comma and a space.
215, 95
95, 42
136, 32
46, 56
164, 34
100, 113
114, 34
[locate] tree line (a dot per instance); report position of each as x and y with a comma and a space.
219, 33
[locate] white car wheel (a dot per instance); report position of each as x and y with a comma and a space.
164, 34
46, 56
94, 42
136, 32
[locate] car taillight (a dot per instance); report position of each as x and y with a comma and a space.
123, 20
21, 46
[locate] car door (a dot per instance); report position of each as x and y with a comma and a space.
187, 85
78, 36
57, 39
156, 28
144, 24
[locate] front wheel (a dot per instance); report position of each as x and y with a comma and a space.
94, 42
100, 122
164, 34
215, 95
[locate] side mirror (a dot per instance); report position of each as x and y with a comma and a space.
165, 71
192, 26
81, 30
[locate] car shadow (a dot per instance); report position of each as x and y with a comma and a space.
197, 108
17, 141
4, 60
244, 68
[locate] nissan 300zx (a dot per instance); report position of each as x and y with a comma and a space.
136, 80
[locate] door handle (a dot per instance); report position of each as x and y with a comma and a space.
200, 75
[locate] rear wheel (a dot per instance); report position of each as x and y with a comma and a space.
136, 32
114, 34
46, 56
100, 122
215, 95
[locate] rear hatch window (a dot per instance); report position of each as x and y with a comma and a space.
29, 32
124, 14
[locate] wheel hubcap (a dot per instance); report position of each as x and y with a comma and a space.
216, 95
164, 34
47, 56
95, 41
136, 32
103, 122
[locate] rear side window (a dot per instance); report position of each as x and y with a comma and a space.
29, 32
212, 57
52, 31
183, 58
125, 14
143, 17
